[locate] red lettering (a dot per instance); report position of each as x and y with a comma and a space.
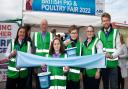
5, 27
5, 33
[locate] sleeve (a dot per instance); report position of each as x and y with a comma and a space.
99, 47
8, 51
118, 45
125, 53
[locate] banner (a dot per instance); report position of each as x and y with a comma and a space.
90, 7
7, 32
91, 61
3, 70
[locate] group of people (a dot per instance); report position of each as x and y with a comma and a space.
107, 40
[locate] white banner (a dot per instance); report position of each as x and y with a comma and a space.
7, 32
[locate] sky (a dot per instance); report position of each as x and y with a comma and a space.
118, 10
12, 9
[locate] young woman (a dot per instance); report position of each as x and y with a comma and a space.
16, 77
58, 79
73, 77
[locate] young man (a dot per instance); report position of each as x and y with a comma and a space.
111, 42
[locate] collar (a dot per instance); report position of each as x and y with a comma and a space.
44, 33
19, 41
105, 30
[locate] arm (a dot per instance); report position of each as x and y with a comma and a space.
99, 47
118, 47
8, 51
4, 60
125, 53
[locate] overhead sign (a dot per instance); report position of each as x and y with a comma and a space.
66, 6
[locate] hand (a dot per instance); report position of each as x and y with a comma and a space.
97, 76
12, 54
44, 67
107, 55
67, 42
18, 68
66, 69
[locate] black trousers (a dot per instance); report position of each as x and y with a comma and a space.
73, 84
91, 82
120, 80
110, 78
29, 79
17, 83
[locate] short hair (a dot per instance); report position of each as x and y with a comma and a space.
91, 27
107, 15
43, 20
62, 49
73, 27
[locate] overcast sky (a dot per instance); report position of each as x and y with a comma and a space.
11, 9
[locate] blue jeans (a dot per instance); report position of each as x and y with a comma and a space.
110, 78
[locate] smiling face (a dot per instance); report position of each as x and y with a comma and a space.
44, 25
56, 45
90, 32
106, 22
74, 34
21, 34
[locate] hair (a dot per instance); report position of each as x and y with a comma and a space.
91, 27
107, 15
28, 27
73, 27
121, 39
25, 38
52, 51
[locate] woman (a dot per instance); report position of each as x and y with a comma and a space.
16, 77
58, 79
91, 46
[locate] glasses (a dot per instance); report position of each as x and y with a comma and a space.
73, 32
89, 31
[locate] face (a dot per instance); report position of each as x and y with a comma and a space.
90, 32
56, 45
106, 22
74, 34
44, 25
21, 34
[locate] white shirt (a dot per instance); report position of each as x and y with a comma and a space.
99, 47
8, 51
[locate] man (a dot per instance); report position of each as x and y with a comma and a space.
42, 42
111, 42
91, 46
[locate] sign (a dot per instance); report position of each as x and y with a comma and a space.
66, 6
7, 32
3, 70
